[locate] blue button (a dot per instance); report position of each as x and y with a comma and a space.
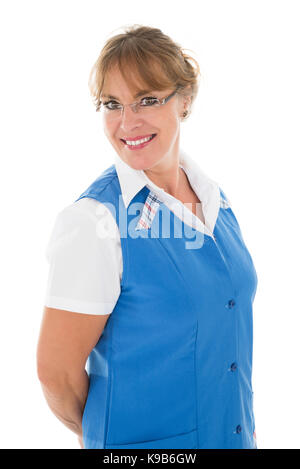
233, 366
231, 303
238, 429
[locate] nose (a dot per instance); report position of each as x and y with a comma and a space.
129, 119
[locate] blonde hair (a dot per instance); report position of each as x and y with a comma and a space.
147, 58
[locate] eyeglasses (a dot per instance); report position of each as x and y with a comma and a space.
114, 109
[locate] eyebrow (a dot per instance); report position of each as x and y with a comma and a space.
140, 93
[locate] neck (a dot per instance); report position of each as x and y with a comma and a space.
167, 174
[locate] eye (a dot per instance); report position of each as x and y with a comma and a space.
112, 105
149, 101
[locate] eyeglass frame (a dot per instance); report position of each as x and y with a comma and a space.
161, 101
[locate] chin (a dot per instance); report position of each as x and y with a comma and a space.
137, 161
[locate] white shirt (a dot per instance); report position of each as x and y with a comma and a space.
85, 267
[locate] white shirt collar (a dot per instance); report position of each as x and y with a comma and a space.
133, 180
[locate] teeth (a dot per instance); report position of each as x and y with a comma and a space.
138, 142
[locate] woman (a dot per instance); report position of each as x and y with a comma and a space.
153, 258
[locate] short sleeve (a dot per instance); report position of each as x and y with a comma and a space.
85, 267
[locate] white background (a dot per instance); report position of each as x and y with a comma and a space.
244, 132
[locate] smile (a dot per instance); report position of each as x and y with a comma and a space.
138, 143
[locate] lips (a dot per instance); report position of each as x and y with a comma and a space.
139, 137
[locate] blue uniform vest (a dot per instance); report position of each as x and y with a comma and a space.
172, 368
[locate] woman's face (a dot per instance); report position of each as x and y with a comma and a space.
163, 121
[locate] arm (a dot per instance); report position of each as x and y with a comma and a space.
84, 277
65, 342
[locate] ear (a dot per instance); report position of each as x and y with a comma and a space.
187, 102
187, 99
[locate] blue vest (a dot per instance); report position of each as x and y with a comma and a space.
173, 366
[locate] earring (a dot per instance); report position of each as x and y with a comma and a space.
185, 114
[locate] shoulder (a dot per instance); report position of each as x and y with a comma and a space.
224, 200
86, 211
103, 185
83, 221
